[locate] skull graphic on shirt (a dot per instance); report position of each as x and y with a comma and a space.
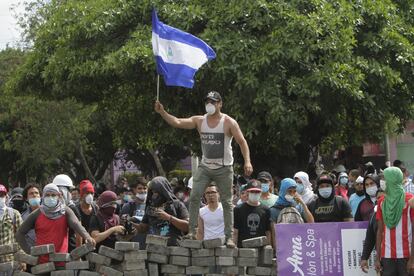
253, 221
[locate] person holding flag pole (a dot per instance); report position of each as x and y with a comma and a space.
178, 56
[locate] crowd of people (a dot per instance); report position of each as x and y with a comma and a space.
69, 215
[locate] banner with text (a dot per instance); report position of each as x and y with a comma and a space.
317, 249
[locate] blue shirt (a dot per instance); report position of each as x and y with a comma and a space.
354, 201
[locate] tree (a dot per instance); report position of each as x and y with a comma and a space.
295, 74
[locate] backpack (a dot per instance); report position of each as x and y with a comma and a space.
289, 215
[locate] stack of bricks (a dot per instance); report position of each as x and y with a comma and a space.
208, 257
7, 250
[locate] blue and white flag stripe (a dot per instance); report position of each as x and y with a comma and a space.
178, 54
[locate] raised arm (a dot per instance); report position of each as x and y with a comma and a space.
25, 227
244, 147
184, 123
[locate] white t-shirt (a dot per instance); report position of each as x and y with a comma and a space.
213, 222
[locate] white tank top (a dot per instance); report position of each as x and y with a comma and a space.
213, 222
215, 145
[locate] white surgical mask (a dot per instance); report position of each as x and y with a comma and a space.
383, 185
50, 201
2, 202
254, 197
89, 199
300, 188
290, 198
210, 109
325, 192
372, 191
142, 196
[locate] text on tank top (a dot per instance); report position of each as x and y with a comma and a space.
215, 145
53, 231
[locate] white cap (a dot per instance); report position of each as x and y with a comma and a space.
63, 180
190, 183
360, 179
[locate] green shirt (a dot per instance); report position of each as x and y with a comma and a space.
270, 201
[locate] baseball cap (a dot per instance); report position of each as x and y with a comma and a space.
253, 186
3, 189
86, 186
214, 96
264, 176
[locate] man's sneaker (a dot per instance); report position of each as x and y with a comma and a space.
230, 243
189, 236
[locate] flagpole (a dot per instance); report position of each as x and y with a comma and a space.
158, 87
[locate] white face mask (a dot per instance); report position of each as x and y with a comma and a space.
142, 196
254, 197
210, 109
372, 191
383, 185
2, 202
290, 198
89, 199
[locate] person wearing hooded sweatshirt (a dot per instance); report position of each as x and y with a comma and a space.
51, 222
342, 188
104, 226
165, 214
17, 201
358, 196
366, 206
395, 225
304, 187
329, 207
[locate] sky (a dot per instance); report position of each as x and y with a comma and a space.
9, 31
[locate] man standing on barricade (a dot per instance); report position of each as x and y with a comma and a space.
216, 132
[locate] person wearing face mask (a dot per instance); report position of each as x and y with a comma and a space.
51, 222
358, 196
86, 206
304, 187
267, 197
251, 219
366, 206
342, 188
105, 225
352, 177
32, 194
10, 220
16, 200
136, 208
65, 185
165, 215
329, 207
216, 131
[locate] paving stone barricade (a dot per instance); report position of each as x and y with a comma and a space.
208, 257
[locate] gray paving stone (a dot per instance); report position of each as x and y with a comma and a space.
88, 273
223, 251
25, 258
247, 261
197, 270
179, 251
203, 261
63, 273
180, 260
195, 244
43, 268
108, 271
255, 242
133, 265
266, 255
111, 253
214, 243
157, 258
141, 272
153, 269
159, 249
225, 261
98, 259
248, 252
77, 265
82, 251
126, 246
158, 240
259, 270
202, 252
168, 268
135, 255
60, 257
42, 249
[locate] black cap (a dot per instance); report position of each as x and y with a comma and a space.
324, 179
264, 175
253, 186
214, 96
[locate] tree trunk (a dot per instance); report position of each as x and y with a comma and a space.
85, 165
157, 161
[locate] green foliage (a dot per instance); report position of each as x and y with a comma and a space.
180, 174
294, 74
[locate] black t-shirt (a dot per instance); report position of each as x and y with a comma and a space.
165, 228
84, 218
336, 210
96, 224
251, 221
137, 211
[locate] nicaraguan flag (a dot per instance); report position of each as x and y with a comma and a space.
178, 54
